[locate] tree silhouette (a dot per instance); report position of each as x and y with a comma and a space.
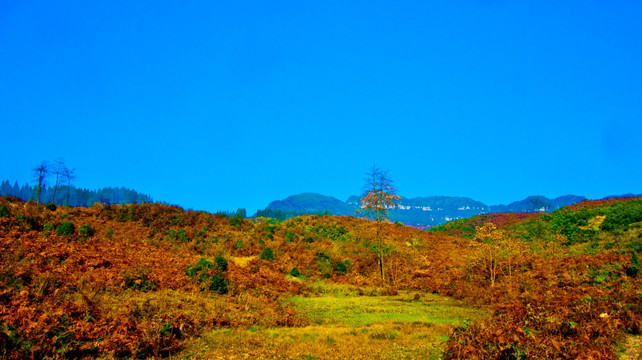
40, 174
59, 169
68, 175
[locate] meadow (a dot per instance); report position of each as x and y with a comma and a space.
344, 322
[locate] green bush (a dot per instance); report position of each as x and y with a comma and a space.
221, 263
177, 220
289, 237
333, 232
340, 268
295, 272
66, 228
239, 244
201, 235
267, 254
180, 235
48, 228
218, 284
632, 271
86, 231
4, 211
236, 221
51, 207
324, 262
209, 274
634, 268
202, 264
622, 215
109, 233
270, 229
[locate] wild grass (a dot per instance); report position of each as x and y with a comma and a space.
344, 325
359, 311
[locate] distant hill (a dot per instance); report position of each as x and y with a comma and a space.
421, 212
312, 202
537, 203
418, 212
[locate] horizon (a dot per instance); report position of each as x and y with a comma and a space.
224, 106
251, 211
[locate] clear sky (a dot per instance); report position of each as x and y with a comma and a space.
215, 105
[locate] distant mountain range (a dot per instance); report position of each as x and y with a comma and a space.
422, 212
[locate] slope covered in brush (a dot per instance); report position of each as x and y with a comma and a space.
143, 280
466, 227
137, 280
567, 286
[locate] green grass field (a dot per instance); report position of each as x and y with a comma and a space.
344, 324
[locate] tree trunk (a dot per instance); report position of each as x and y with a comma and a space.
38, 189
53, 198
381, 268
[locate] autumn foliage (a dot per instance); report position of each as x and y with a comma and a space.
140, 280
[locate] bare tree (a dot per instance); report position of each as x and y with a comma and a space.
58, 171
68, 175
40, 174
378, 197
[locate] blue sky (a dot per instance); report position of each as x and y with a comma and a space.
217, 105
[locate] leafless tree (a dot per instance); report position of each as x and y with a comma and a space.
378, 197
40, 174
59, 169
67, 176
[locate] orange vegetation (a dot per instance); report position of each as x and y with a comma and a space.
124, 289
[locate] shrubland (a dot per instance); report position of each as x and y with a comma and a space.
567, 284
151, 280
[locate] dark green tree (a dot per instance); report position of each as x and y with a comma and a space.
267, 254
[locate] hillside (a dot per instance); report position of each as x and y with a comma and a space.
141, 280
154, 280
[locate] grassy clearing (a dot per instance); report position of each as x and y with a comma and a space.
242, 261
369, 310
345, 325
